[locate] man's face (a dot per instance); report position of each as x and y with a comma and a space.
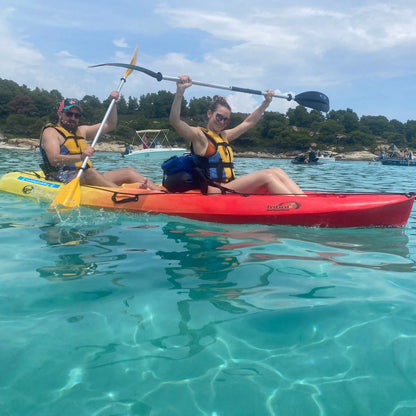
69, 119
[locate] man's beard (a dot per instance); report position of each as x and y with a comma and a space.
71, 127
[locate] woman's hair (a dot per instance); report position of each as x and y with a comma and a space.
217, 101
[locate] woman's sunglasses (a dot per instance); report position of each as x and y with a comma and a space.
70, 114
220, 117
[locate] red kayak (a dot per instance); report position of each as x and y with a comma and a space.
315, 209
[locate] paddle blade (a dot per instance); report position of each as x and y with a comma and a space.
313, 99
69, 196
132, 62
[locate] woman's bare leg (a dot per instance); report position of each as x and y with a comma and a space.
273, 181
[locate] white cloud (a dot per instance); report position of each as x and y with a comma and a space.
120, 43
17, 56
66, 59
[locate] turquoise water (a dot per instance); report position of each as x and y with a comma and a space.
114, 314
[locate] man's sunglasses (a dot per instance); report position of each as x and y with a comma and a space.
220, 117
71, 114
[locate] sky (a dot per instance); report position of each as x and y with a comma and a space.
361, 54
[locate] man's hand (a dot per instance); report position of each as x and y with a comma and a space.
114, 95
89, 151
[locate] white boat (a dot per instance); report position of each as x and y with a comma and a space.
152, 144
325, 159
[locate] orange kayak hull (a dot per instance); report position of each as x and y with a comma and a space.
316, 209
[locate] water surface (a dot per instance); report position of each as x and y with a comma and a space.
122, 314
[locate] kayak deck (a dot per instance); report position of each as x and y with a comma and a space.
315, 209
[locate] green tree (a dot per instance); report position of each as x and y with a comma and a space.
92, 109
329, 132
299, 117
122, 107
133, 104
410, 133
198, 107
21, 104
358, 139
347, 118
377, 124
157, 105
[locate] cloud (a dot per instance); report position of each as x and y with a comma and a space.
297, 35
17, 56
120, 43
66, 59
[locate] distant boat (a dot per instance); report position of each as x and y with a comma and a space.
326, 159
396, 158
398, 161
152, 144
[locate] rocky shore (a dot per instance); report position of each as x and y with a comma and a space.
28, 144
119, 147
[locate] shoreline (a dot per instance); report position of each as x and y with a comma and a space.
117, 147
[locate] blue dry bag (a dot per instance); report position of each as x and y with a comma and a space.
179, 173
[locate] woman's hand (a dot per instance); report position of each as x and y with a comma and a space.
268, 97
184, 82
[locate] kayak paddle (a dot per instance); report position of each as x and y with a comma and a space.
312, 99
70, 195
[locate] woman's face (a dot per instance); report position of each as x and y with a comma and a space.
218, 119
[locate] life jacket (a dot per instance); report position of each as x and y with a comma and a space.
191, 171
74, 144
220, 166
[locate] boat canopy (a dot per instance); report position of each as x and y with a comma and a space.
152, 138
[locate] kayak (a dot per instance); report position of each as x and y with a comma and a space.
315, 209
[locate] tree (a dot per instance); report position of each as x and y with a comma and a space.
396, 126
198, 107
157, 105
358, 139
329, 132
122, 107
133, 104
299, 117
21, 104
347, 118
92, 108
8, 90
377, 124
410, 132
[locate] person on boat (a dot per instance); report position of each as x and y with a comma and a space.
146, 142
311, 156
64, 147
212, 144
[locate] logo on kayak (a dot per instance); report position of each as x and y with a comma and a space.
39, 182
27, 189
283, 206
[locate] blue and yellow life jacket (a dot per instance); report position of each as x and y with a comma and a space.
74, 144
191, 171
220, 166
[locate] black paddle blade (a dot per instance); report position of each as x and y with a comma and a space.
156, 75
313, 99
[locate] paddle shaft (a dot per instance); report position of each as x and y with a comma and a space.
98, 134
230, 88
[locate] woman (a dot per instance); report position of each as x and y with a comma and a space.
212, 144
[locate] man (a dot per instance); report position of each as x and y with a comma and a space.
311, 156
64, 147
